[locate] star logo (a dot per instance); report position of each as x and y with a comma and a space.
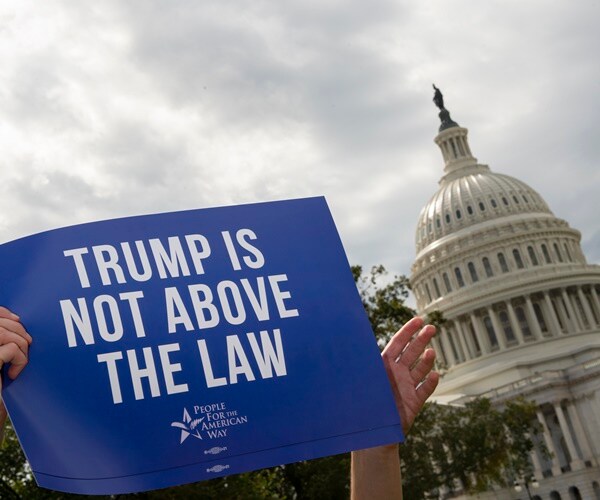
188, 426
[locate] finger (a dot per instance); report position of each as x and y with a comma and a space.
6, 313
423, 366
10, 353
417, 345
401, 338
426, 388
16, 327
7, 337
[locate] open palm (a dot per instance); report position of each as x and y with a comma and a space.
409, 363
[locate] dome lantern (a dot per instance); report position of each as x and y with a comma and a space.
452, 139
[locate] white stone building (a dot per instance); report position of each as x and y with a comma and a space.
522, 309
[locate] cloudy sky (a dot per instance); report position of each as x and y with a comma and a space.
118, 108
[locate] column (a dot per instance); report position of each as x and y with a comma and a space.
484, 341
549, 444
595, 299
461, 341
515, 323
582, 439
469, 339
440, 358
465, 335
554, 324
592, 305
586, 307
537, 466
561, 308
533, 322
569, 306
576, 462
497, 328
594, 418
447, 347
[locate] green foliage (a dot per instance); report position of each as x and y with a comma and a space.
383, 301
322, 478
477, 443
263, 484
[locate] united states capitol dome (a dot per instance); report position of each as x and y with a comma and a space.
520, 310
482, 230
474, 195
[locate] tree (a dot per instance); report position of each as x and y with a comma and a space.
477, 444
383, 302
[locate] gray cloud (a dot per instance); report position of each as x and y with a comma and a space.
134, 107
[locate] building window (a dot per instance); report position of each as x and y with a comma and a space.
546, 254
447, 282
525, 199
505, 201
557, 252
517, 257
428, 294
516, 199
481, 206
573, 493
490, 331
488, 268
459, 278
532, 255
438, 224
502, 262
506, 326
522, 319
436, 288
458, 214
493, 202
473, 272
469, 209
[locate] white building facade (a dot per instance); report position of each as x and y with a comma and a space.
522, 308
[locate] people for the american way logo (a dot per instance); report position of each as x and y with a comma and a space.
188, 426
209, 421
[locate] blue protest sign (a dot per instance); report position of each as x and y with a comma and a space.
178, 347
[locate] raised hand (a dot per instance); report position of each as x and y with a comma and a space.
14, 349
409, 363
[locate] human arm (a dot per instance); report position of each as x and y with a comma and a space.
14, 349
375, 472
